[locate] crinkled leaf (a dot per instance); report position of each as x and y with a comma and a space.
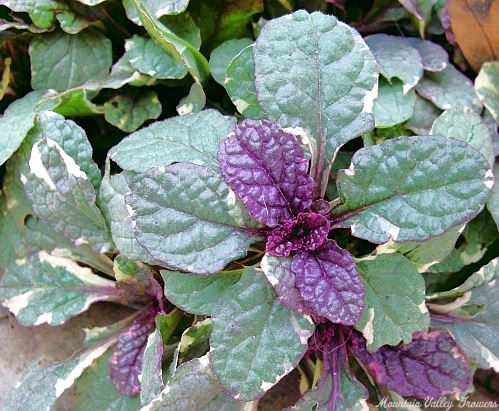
279, 274
255, 340
194, 387
168, 206
329, 283
487, 87
307, 231
62, 61
147, 57
197, 294
449, 88
129, 111
151, 379
409, 188
267, 169
62, 195
396, 58
96, 385
466, 125
431, 366
425, 254
395, 301
394, 105
423, 117
476, 337
16, 122
493, 201
434, 57
173, 43
128, 356
112, 202
221, 57
193, 137
158, 8
39, 388
240, 84
47, 289
317, 73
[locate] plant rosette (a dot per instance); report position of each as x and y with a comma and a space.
250, 247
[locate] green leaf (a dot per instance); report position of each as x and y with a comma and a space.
240, 84
71, 103
197, 294
151, 379
396, 58
158, 8
15, 123
221, 57
425, 254
493, 201
477, 337
449, 88
184, 27
393, 105
394, 303
95, 391
222, 20
423, 117
409, 189
39, 388
177, 229
487, 87
466, 125
317, 73
128, 112
44, 288
194, 137
167, 323
184, 51
62, 61
112, 202
256, 340
71, 22
180, 395
91, 2
147, 57
42, 12
62, 195
193, 102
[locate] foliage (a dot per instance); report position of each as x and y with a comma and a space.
263, 204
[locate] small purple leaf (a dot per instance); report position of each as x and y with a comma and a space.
306, 232
128, 355
267, 170
329, 283
431, 366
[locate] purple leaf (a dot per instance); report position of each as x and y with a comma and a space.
431, 366
128, 355
306, 232
329, 283
278, 272
267, 170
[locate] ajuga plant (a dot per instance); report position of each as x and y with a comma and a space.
286, 222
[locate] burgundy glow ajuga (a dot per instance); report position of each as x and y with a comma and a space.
267, 170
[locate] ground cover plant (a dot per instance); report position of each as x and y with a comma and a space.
271, 186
